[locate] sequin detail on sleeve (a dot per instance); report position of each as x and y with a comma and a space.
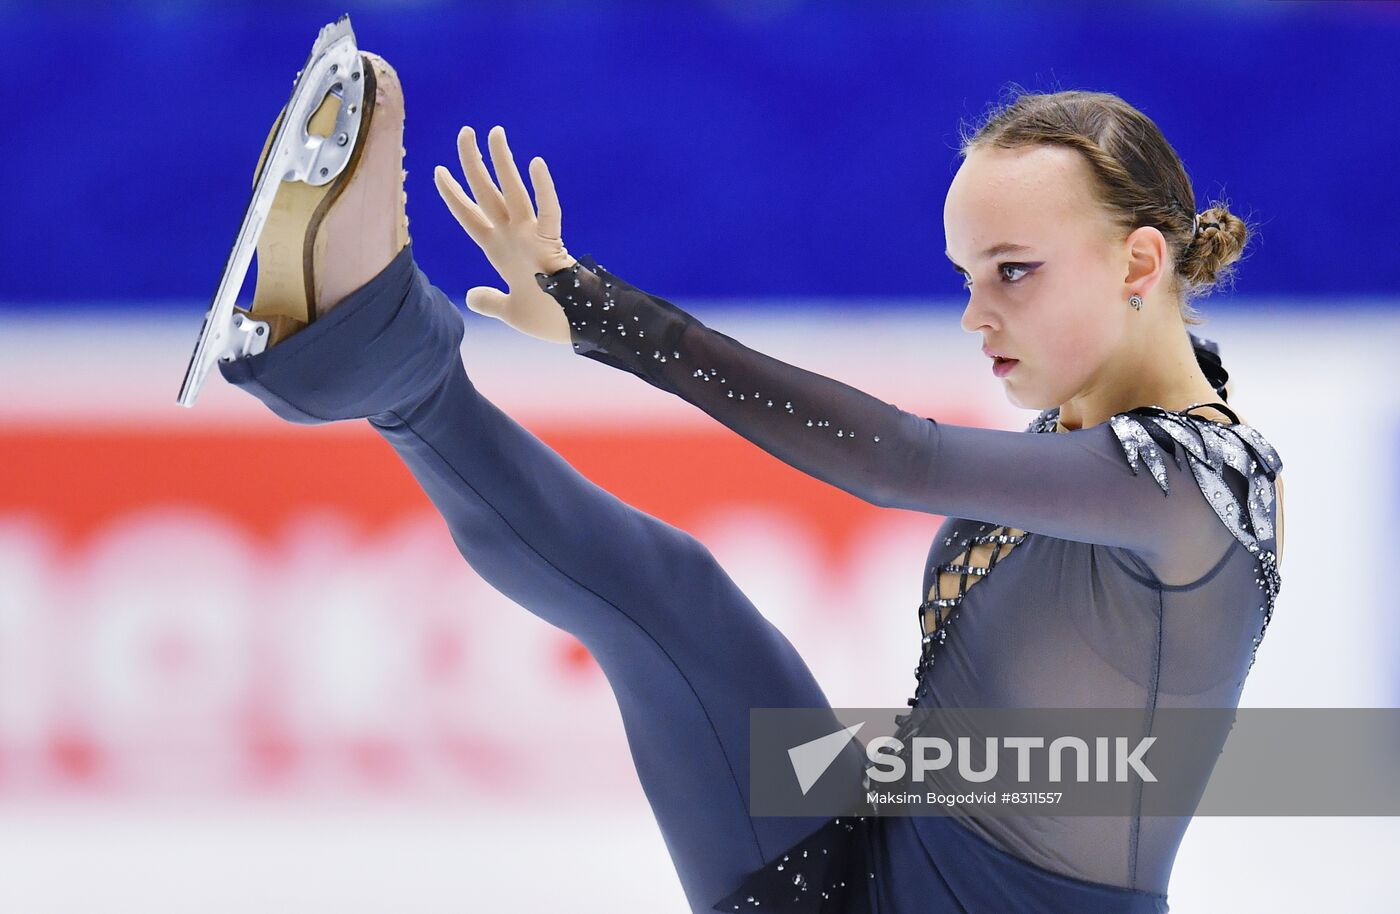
820, 426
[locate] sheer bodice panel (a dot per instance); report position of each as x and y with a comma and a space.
1064, 624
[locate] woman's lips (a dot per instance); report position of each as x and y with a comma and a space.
1003, 367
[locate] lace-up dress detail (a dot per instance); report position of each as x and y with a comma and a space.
981, 552
1062, 576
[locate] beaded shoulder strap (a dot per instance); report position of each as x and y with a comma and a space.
1045, 422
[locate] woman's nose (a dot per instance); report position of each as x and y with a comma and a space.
976, 317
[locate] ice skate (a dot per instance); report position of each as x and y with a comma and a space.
327, 211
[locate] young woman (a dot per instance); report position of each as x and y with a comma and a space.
1120, 552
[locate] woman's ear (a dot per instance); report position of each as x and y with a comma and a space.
1147, 259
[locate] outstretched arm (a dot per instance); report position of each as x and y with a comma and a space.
1128, 483
1086, 485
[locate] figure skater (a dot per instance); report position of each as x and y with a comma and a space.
1120, 552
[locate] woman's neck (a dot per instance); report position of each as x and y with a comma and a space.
1162, 372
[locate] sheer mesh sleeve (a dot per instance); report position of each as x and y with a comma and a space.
1076, 485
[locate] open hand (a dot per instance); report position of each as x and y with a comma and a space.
517, 242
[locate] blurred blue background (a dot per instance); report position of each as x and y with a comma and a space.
717, 149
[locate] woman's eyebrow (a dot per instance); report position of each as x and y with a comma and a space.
1001, 247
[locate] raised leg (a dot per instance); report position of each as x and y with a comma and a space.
684, 650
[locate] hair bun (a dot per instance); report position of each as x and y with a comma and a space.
1211, 254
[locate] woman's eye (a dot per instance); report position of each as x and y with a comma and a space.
1001, 268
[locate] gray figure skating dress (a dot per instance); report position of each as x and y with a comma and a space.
1131, 564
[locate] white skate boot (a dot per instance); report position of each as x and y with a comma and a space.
310, 156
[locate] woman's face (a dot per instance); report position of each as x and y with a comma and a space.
1057, 302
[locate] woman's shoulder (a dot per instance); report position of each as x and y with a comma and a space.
1211, 441
1210, 449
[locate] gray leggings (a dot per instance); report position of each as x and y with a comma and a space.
684, 650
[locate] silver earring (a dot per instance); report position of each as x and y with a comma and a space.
1135, 302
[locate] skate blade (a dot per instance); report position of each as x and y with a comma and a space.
294, 154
